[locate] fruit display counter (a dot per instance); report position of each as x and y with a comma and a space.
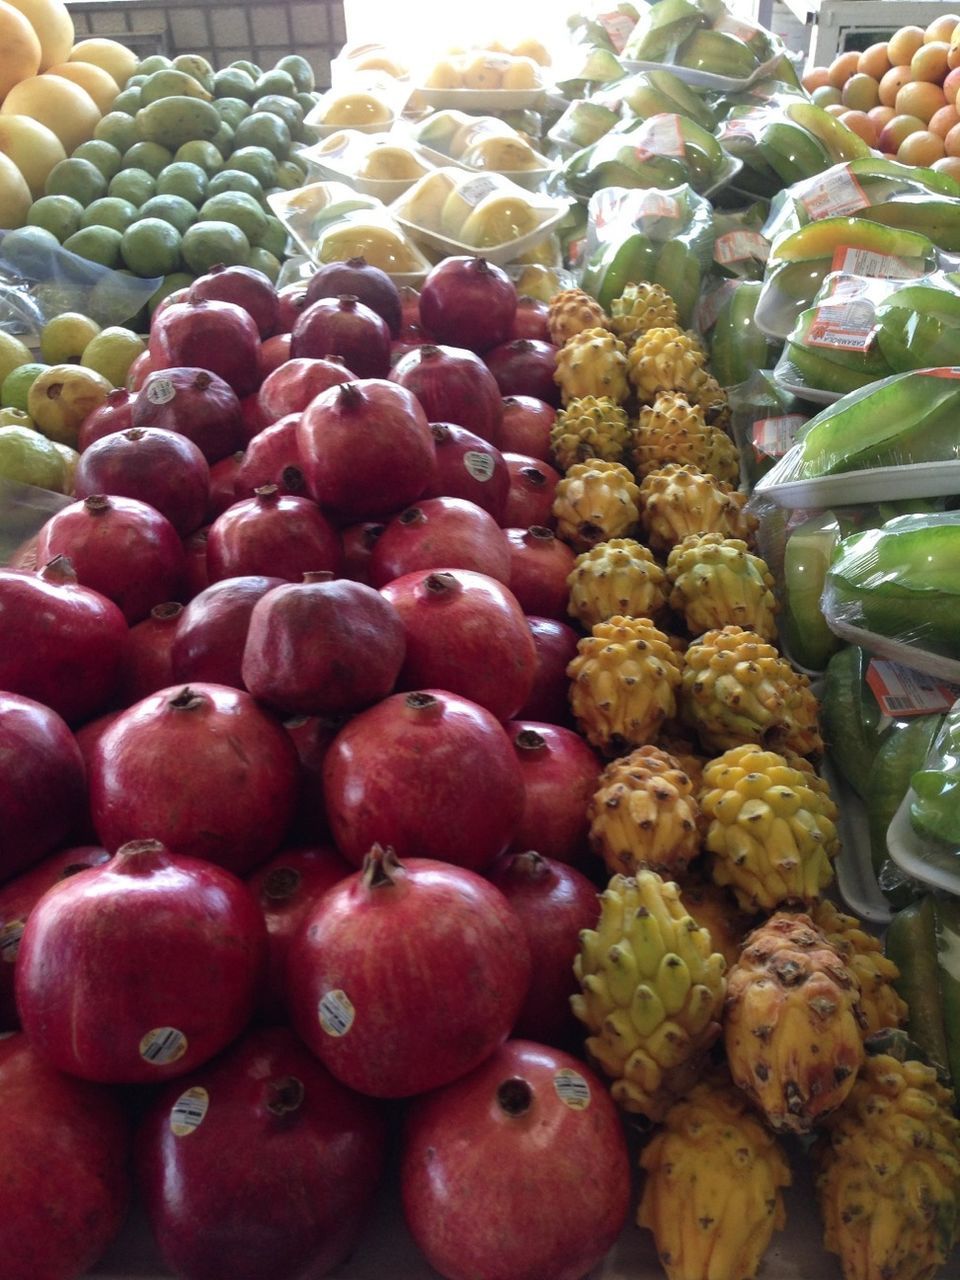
479, 578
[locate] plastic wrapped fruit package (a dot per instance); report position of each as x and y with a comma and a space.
484, 71
483, 143
369, 101
706, 44
924, 836
368, 58
383, 165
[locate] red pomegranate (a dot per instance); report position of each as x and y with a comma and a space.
221, 335
145, 915
120, 547
196, 403
251, 417
493, 1169
286, 888
560, 773
223, 485
358, 543
149, 666
161, 468
18, 897
195, 574
428, 773
533, 486
373, 945
42, 786
212, 631
527, 423
291, 388
453, 385
274, 534
274, 352
367, 449
464, 632
468, 467
138, 372
441, 533
245, 286
322, 647
530, 320
556, 645
260, 1164
115, 414
203, 769
525, 367
468, 302
540, 565
312, 736
291, 301
409, 309
273, 457
367, 283
343, 327
64, 1148
70, 641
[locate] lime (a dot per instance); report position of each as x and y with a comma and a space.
307, 101
178, 212
96, 244
151, 247
112, 352
28, 457
198, 67
235, 180
248, 68
264, 129
77, 178
288, 109
171, 283
13, 354
203, 154
231, 82
107, 158
14, 388
207, 243
64, 338
299, 70
111, 211
134, 80
183, 179
129, 101
275, 81
240, 209
135, 185
289, 176
148, 156
274, 238
232, 110
28, 249
156, 62
223, 140
60, 215
117, 128
265, 261
258, 161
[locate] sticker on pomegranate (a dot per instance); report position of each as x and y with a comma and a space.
660, 136
618, 27
903, 692
740, 246
162, 1046
189, 1111
773, 437
882, 266
161, 392
572, 1089
336, 1013
835, 194
479, 465
10, 935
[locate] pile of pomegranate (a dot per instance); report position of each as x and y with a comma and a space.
293, 856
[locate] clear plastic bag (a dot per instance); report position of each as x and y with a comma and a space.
24, 510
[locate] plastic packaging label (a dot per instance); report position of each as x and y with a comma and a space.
903, 692
618, 27
739, 246
161, 392
844, 326
835, 195
478, 465
163, 1045
660, 136
657, 205
10, 935
864, 262
476, 189
189, 1112
336, 1013
572, 1089
773, 437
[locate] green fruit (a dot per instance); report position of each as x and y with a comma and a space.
178, 212
248, 68
135, 81
56, 296
264, 129
198, 67
274, 238
110, 211
107, 158
183, 179
232, 110
299, 70
148, 156
112, 352
177, 280
155, 62
264, 261
28, 249
174, 121
128, 101
276, 81
17, 383
223, 141
28, 457
207, 243
306, 101
240, 209
231, 82
135, 185
60, 215
151, 247
118, 129
235, 180
289, 176
258, 161
77, 178
15, 418
203, 154
14, 354
171, 83
288, 109
96, 244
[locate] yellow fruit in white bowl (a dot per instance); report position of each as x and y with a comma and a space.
381, 246
356, 109
521, 73
485, 71
425, 203
502, 155
461, 202
497, 220
445, 74
533, 49
473, 129
391, 164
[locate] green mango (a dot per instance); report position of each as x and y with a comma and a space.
174, 121
936, 217
171, 83
792, 152
840, 142
583, 123
624, 262
600, 66
661, 85
718, 53
809, 550
907, 177
678, 271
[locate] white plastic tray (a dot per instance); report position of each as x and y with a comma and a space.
916, 857
704, 79
497, 254
529, 179
856, 881
876, 484
932, 664
813, 395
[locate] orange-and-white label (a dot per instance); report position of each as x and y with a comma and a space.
336, 1013
903, 692
660, 136
618, 27
834, 194
881, 266
846, 320
572, 1089
740, 246
773, 437
189, 1111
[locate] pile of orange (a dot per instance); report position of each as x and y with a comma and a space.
900, 95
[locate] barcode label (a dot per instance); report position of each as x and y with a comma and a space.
161, 392
773, 437
618, 27
336, 1013
479, 465
660, 136
881, 266
163, 1045
572, 1089
10, 935
901, 691
476, 189
834, 195
845, 321
740, 246
189, 1112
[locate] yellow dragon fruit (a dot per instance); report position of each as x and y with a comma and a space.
592, 363
862, 953
678, 501
570, 312
641, 307
594, 502
716, 582
590, 428
673, 430
619, 576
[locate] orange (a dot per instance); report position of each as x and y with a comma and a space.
861, 124
903, 44
874, 61
843, 67
881, 115
951, 84
861, 92
920, 98
826, 95
949, 165
941, 28
891, 83
922, 147
900, 127
836, 109
816, 78
930, 62
942, 121
951, 142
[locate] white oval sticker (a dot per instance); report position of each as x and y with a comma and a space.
479, 465
572, 1089
336, 1013
189, 1111
161, 392
163, 1045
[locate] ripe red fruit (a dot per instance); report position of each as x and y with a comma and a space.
539, 567
291, 388
493, 1169
245, 286
526, 427
64, 1148
113, 929
148, 666
369, 284
195, 575
120, 547
533, 486
322, 647
203, 769
274, 352
430, 774
273, 534
115, 414
196, 403
464, 632
453, 385
212, 631
138, 372
343, 327
374, 945
525, 367
251, 417
556, 645
468, 302
530, 321
223, 481
560, 773
367, 449
273, 457
467, 466
312, 736
221, 336
441, 533
358, 543
42, 785
291, 301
